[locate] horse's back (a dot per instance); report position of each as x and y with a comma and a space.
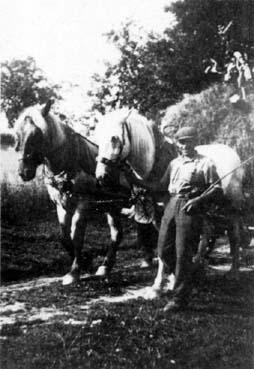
228, 165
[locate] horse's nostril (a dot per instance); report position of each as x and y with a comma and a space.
23, 176
98, 182
103, 181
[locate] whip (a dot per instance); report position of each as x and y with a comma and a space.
227, 174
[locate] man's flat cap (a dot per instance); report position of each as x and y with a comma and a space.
186, 132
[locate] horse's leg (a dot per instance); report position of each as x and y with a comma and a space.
206, 244
245, 237
234, 241
64, 219
202, 247
158, 282
116, 233
210, 245
78, 227
166, 253
155, 290
76, 236
147, 241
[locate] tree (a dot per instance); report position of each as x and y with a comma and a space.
143, 76
23, 84
211, 29
155, 72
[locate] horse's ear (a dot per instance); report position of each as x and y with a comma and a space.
45, 110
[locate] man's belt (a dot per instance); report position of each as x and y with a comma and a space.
180, 196
185, 196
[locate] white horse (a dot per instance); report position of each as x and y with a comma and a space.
127, 136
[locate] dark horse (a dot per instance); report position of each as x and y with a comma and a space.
70, 162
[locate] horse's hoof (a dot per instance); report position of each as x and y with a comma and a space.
69, 278
146, 264
155, 262
197, 259
152, 293
102, 271
169, 286
233, 275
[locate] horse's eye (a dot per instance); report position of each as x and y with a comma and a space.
114, 140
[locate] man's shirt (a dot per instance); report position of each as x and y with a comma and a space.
186, 175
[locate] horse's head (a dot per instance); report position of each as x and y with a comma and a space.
114, 147
30, 141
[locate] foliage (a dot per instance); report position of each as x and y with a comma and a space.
217, 120
209, 29
154, 72
202, 25
23, 84
143, 76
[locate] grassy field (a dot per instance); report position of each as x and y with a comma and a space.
20, 201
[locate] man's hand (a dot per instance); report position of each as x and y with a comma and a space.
192, 205
130, 175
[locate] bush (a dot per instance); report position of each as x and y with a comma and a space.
23, 202
20, 201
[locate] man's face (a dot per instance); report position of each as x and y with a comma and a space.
186, 146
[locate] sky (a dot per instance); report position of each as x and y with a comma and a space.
65, 36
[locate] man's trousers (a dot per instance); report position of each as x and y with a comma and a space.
177, 243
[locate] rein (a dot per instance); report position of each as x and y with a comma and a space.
63, 181
115, 164
40, 154
227, 174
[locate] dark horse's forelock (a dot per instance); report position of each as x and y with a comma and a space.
48, 125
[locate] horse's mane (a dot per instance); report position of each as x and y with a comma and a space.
143, 143
49, 125
111, 122
142, 153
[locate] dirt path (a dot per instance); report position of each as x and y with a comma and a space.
13, 311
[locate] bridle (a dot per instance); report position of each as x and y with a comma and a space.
117, 163
39, 157
34, 157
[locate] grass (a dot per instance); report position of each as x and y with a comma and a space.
33, 248
154, 341
136, 334
215, 331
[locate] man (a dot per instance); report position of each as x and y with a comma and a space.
188, 179
244, 73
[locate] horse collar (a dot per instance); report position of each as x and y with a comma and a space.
62, 182
125, 127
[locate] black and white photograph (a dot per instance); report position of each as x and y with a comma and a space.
127, 184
